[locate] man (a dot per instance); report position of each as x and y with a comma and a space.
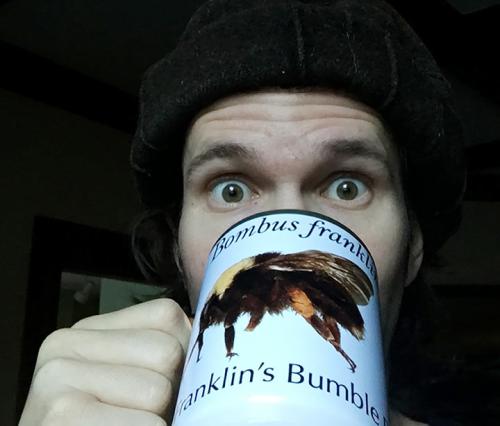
330, 106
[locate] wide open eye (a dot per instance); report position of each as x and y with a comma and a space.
230, 192
346, 189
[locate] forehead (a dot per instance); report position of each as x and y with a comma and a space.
286, 116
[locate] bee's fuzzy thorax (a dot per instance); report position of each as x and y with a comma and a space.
226, 279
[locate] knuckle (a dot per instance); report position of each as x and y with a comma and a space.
63, 404
154, 420
176, 354
159, 395
89, 321
169, 354
62, 408
166, 311
52, 371
53, 340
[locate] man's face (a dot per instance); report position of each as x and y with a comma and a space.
314, 151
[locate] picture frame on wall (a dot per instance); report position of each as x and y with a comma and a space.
75, 271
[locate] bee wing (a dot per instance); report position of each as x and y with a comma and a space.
339, 270
352, 278
346, 274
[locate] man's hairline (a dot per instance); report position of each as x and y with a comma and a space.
296, 89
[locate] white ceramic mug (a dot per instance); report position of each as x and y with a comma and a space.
287, 328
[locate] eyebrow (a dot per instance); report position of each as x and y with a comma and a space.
361, 148
354, 148
221, 151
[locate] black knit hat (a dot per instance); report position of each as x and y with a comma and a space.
362, 47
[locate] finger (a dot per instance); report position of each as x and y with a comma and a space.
79, 409
152, 349
105, 415
159, 314
121, 386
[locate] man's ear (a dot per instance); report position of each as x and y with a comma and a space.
415, 252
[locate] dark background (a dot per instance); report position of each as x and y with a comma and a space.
69, 74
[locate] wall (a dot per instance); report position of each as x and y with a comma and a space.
60, 165
472, 255
55, 164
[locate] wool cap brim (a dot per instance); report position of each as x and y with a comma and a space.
361, 47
